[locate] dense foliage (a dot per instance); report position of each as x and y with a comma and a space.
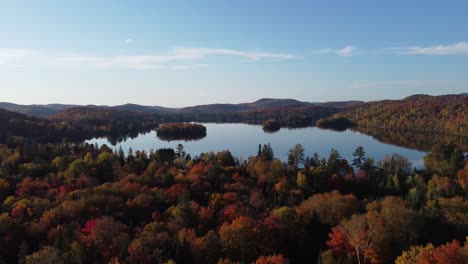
68, 203
447, 113
178, 131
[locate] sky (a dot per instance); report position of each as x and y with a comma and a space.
179, 53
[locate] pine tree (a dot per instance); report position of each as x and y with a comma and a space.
359, 157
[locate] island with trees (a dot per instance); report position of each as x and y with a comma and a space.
181, 131
336, 123
271, 125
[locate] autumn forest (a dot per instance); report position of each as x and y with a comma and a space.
65, 201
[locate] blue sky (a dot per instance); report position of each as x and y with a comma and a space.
179, 53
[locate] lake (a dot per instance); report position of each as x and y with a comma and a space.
243, 139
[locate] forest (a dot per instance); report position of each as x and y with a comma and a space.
445, 113
82, 203
64, 201
75, 125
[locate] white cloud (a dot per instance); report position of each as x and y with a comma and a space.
178, 58
128, 41
460, 48
346, 51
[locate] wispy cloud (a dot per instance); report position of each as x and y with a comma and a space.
177, 58
346, 51
128, 41
203, 52
460, 48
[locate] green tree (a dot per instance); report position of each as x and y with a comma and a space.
296, 155
444, 160
180, 152
267, 152
359, 157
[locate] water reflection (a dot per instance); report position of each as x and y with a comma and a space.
243, 139
185, 138
419, 140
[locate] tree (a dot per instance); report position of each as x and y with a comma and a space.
333, 161
46, 255
296, 155
359, 157
444, 160
411, 256
450, 253
330, 208
301, 181
241, 239
106, 236
225, 158
273, 259
361, 237
267, 152
180, 152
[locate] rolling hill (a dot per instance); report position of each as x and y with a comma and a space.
444, 113
265, 103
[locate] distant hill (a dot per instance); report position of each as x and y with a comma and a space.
35, 110
265, 103
269, 103
146, 109
95, 113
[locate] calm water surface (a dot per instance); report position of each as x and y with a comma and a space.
242, 140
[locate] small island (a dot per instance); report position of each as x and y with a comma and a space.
181, 131
337, 123
271, 125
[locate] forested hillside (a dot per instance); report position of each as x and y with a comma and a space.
74, 125
19, 125
447, 113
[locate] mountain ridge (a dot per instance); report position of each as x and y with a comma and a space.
48, 110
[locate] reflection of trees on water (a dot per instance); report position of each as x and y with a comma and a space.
181, 137
414, 139
114, 139
271, 130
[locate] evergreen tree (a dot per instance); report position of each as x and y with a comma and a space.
180, 152
359, 157
267, 152
121, 154
296, 155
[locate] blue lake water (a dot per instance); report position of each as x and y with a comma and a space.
242, 140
